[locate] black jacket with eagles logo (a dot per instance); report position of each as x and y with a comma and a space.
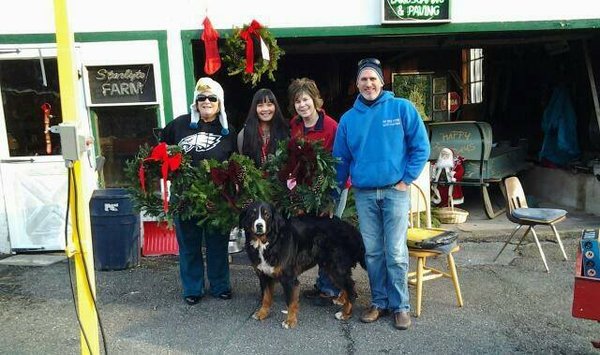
204, 142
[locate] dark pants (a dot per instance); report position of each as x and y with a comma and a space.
191, 263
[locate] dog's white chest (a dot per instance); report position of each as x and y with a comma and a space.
263, 266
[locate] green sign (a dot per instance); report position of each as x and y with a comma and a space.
415, 11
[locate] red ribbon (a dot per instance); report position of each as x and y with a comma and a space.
228, 177
160, 154
247, 36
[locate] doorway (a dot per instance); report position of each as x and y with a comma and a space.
34, 177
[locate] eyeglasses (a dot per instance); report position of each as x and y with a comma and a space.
366, 61
211, 98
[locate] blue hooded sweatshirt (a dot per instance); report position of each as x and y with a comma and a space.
382, 144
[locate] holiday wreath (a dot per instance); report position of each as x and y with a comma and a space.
303, 177
222, 190
148, 174
240, 49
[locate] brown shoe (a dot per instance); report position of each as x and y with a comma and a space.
372, 314
402, 320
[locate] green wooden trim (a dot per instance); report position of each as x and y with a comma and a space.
163, 57
436, 29
188, 62
159, 36
27, 38
420, 29
120, 36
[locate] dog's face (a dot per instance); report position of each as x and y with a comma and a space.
259, 220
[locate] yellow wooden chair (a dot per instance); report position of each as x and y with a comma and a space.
423, 272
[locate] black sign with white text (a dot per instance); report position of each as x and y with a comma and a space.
121, 84
415, 11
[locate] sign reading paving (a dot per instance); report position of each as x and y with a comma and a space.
411, 11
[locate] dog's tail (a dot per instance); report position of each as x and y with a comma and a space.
361, 255
360, 250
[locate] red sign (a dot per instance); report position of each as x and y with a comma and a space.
454, 99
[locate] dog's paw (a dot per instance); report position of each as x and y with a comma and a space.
337, 301
260, 314
287, 324
340, 316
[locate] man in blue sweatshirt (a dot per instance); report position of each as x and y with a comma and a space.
383, 145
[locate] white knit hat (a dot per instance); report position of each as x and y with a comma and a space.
208, 84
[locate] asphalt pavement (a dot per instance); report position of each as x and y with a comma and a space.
510, 306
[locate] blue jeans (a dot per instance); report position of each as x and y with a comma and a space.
325, 285
191, 263
383, 220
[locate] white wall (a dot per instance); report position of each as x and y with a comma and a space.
558, 186
37, 16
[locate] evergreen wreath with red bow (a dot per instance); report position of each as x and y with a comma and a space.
240, 48
302, 174
222, 190
147, 175
214, 192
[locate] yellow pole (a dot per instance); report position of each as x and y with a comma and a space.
81, 246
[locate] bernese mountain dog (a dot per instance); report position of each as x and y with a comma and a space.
281, 249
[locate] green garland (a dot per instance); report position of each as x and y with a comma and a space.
313, 170
222, 190
150, 201
215, 192
235, 56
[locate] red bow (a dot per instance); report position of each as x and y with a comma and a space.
247, 36
301, 163
228, 180
160, 154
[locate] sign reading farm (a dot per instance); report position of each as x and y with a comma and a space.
415, 11
121, 84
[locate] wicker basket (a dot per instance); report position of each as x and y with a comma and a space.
451, 215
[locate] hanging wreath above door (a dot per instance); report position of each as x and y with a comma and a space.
240, 50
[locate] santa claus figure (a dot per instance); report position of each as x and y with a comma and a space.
447, 168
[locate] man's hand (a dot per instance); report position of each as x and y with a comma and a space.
401, 186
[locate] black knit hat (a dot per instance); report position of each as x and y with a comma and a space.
370, 63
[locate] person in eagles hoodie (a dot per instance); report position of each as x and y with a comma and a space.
382, 143
203, 134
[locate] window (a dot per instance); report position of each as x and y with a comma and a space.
472, 75
26, 86
121, 131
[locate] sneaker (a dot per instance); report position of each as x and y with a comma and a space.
192, 300
402, 320
372, 314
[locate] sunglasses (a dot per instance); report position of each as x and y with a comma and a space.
211, 98
366, 61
